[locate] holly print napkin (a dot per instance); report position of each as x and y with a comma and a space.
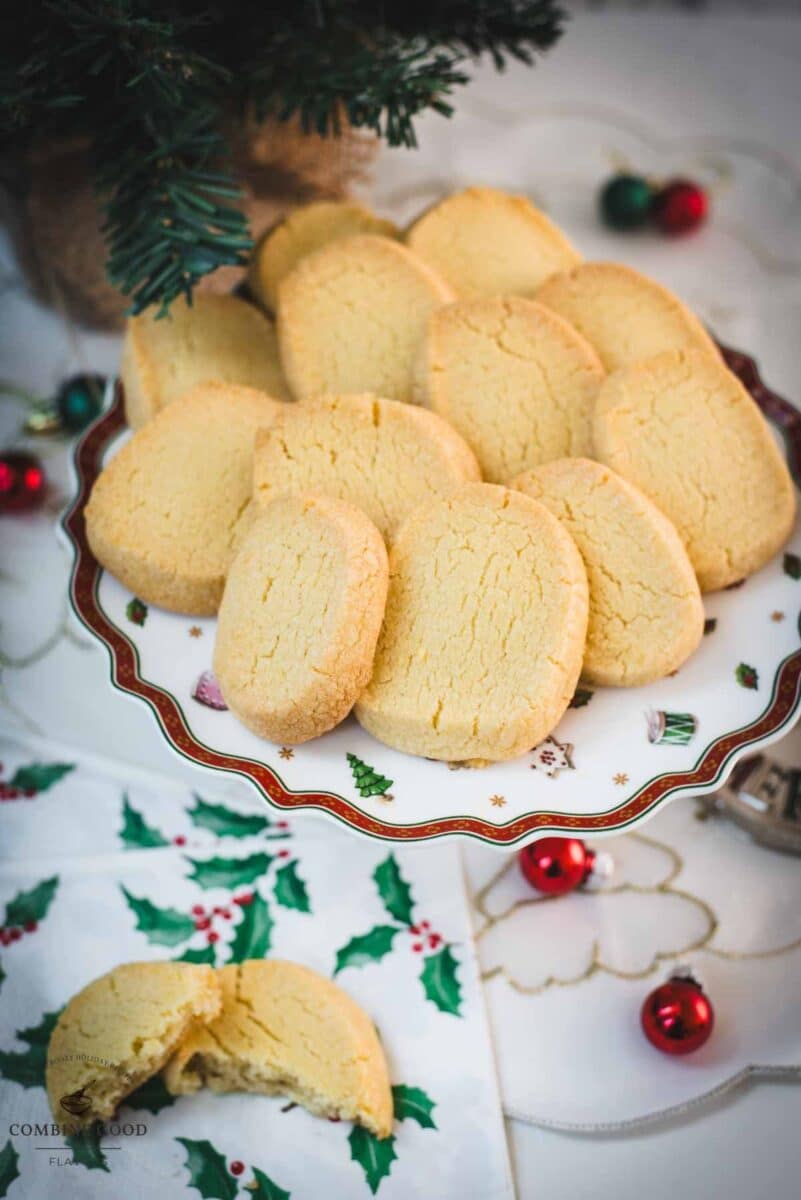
98, 869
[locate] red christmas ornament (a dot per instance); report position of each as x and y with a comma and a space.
556, 865
22, 482
679, 206
677, 1017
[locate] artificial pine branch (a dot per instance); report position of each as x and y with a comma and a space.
150, 81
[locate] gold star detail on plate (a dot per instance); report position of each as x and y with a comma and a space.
777, 616
497, 801
286, 752
620, 779
195, 631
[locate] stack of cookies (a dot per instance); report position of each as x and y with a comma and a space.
435, 477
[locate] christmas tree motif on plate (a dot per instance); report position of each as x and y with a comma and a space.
746, 676
217, 1179
438, 973
136, 611
367, 780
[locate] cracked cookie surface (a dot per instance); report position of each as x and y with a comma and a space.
516, 381
300, 616
646, 616
286, 1030
684, 430
119, 1031
382, 456
483, 637
625, 315
351, 317
485, 242
218, 339
302, 232
165, 514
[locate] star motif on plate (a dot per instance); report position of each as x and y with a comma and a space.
497, 801
286, 752
551, 757
621, 779
195, 631
777, 616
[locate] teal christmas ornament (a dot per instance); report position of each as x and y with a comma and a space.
626, 202
79, 400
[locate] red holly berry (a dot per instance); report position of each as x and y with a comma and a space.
14, 934
283, 854
203, 923
237, 1167
180, 840
29, 793
282, 825
417, 947
425, 924
434, 940
31, 926
4, 938
414, 929
212, 937
216, 910
225, 913
247, 898
198, 910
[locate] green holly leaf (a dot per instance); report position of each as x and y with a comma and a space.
208, 1170
252, 935
792, 566
439, 981
161, 926
38, 777
152, 1095
32, 905
204, 955
746, 676
366, 948
229, 872
86, 1149
375, 1156
394, 891
290, 890
581, 698
27, 1067
266, 1188
9, 1170
135, 830
224, 821
136, 611
412, 1104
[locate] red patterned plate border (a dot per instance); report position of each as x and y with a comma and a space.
709, 772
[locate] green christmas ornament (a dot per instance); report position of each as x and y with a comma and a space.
368, 782
626, 202
79, 400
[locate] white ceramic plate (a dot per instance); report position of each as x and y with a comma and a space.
615, 757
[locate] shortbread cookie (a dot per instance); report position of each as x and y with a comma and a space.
517, 382
646, 615
286, 1030
484, 632
217, 338
303, 231
351, 317
625, 315
382, 456
163, 516
300, 616
684, 430
121, 1029
488, 243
